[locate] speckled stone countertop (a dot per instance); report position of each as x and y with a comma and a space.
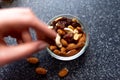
101, 61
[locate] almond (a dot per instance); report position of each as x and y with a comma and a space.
71, 46
71, 52
40, 70
83, 38
33, 60
79, 29
52, 47
64, 42
63, 49
56, 51
63, 72
80, 44
60, 32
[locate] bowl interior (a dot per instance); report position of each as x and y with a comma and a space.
85, 29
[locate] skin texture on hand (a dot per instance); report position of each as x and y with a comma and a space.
15, 22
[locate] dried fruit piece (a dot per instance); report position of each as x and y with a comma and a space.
33, 60
71, 52
64, 42
40, 70
60, 32
53, 47
71, 46
69, 21
68, 36
75, 24
63, 72
61, 24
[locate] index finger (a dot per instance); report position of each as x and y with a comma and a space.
43, 28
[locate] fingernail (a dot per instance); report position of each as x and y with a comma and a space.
43, 46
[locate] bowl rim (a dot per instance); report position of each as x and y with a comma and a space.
85, 29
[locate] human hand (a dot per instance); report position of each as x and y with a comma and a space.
16, 22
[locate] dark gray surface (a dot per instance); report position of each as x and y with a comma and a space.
101, 61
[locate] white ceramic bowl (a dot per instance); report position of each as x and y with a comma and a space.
85, 29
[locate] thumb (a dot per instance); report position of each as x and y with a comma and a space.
12, 53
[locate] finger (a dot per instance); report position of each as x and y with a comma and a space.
9, 54
41, 27
2, 42
26, 37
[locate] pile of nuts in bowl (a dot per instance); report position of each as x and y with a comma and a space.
70, 38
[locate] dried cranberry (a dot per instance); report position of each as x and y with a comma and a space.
75, 24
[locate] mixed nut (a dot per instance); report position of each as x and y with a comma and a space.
70, 38
63, 72
33, 60
69, 41
43, 71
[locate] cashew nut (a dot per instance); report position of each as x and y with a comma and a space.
69, 30
75, 31
50, 27
58, 18
77, 36
57, 41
